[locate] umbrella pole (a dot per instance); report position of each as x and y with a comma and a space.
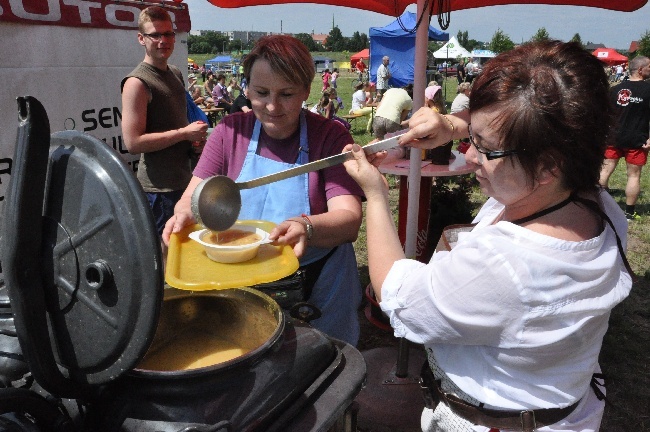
444, 90
421, 39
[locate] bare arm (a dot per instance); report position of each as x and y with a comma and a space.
428, 129
340, 224
384, 247
135, 97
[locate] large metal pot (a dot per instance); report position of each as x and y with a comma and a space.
213, 330
281, 359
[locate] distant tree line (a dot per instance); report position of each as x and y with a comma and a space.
212, 42
336, 41
501, 42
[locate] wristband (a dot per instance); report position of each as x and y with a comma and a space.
308, 226
452, 127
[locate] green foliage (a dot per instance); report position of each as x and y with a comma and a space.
435, 45
576, 38
466, 42
541, 35
199, 47
335, 40
644, 44
308, 41
463, 38
501, 42
237, 46
473, 44
358, 42
208, 42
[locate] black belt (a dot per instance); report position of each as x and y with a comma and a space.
524, 420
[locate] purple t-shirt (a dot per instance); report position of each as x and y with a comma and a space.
219, 93
225, 151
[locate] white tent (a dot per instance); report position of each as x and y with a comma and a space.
451, 50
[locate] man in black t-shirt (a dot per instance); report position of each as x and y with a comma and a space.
241, 102
460, 72
632, 100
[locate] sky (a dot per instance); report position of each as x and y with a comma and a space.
519, 22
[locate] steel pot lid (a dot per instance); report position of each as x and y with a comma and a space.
100, 265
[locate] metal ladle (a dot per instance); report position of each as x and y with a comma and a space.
216, 201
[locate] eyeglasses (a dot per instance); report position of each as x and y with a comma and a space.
489, 154
157, 37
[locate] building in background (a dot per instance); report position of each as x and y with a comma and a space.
319, 38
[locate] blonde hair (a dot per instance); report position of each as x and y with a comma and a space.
463, 86
150, 14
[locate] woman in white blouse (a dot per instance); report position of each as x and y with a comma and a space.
513, 316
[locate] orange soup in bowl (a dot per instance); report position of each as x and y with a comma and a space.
231, 237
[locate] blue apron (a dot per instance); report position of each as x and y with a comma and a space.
337, 292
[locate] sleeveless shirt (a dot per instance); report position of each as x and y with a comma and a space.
168, 169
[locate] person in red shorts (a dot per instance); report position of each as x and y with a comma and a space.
361, 68
632, 137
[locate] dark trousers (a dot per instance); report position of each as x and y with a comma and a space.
162, 206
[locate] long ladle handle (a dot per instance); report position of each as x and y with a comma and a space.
327, 162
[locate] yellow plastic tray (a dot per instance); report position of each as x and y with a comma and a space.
189, 268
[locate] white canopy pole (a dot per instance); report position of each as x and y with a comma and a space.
421, 41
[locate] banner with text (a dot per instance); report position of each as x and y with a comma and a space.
72, 59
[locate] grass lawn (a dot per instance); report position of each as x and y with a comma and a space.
624, 356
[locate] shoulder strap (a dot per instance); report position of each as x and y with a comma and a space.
594, 207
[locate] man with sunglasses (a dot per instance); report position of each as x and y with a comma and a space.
154, 117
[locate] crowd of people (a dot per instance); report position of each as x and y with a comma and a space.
215, 93
618, 72
512, 314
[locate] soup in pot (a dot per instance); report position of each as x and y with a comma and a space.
198, 331
192, 349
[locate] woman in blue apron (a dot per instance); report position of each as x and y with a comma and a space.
318, 214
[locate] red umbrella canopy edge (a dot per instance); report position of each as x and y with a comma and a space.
609, 56
396, 7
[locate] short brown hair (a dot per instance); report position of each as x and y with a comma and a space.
288, 57
555, 109
152, 13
